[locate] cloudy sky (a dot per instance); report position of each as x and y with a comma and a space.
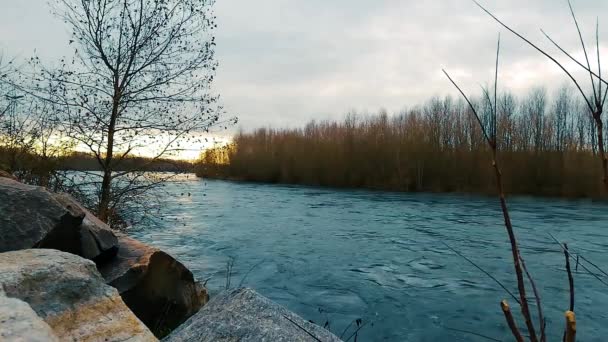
284, 62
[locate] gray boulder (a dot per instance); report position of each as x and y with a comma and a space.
69, 294
160, 290
246, 316
18, 323
98, 241
32, 217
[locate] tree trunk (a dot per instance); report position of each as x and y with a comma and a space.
106, 184
600, 145
104, 200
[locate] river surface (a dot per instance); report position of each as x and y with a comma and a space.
338, 255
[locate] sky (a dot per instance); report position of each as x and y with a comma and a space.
285, 62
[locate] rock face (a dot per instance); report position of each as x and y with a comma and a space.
160, 290
18, 322
96, 240
34, 217
246, 316
69, 294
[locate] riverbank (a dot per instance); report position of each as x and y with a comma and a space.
65, 275
489, 192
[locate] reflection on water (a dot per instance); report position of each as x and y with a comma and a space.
379, 256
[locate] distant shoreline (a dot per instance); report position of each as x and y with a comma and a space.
488, 193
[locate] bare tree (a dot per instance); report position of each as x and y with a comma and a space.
31, 139
138, 83
562, 111
507, 105
537, 108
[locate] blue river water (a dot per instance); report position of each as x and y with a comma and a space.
338, 255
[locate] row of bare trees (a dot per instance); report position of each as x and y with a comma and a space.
549, 147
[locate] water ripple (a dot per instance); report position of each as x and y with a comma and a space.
342, 255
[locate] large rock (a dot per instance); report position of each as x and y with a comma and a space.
70, 295
157, 288
96, 240
32, 216
246, 316
18, 323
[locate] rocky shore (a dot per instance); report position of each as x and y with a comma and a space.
66, 276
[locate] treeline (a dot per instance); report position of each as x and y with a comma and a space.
547, 147
40, 169
87, 162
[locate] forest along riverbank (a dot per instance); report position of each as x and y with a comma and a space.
436, 147
337, 255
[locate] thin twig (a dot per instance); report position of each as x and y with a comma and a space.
570, 278
487, 95
229, 266
577, 62
578, 255
582, 265
599, 64
495, 119
347, 327
473, 333
302, 328
484, 271
537, 297
251, 269
592, 264
470, 105
356, 331
538, 49
580, 36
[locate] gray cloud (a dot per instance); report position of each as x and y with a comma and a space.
283, 62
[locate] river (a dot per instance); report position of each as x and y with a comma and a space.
338, 255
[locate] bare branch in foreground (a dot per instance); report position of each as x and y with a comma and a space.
570, 278
517, 259
541, 318
570, 335
510, 321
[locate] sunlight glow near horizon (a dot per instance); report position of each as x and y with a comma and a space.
188, 150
